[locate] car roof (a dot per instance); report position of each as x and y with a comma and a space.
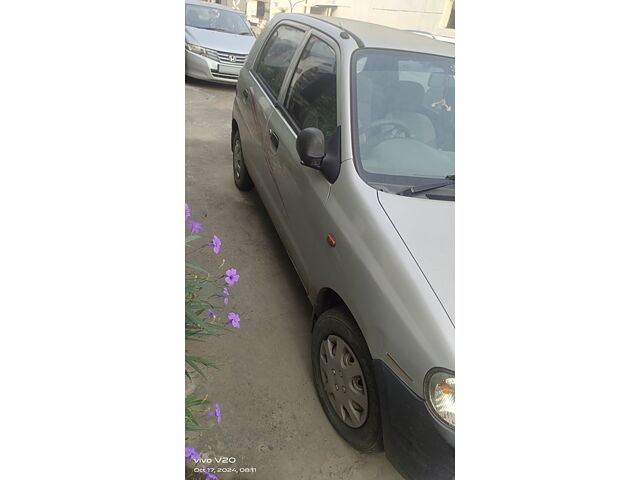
431, 35
371, 35
212, 5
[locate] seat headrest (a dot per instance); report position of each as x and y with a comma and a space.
441, 80
404, 95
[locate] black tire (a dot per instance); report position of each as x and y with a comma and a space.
338, 322
240, 174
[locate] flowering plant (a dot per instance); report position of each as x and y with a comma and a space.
203, 294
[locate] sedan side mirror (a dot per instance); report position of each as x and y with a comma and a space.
313, 154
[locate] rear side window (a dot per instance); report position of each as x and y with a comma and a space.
311, 100
276, 56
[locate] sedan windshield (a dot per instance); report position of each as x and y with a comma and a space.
404, 118
209, 18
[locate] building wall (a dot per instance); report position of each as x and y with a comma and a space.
427, 15
240, 5
435, 16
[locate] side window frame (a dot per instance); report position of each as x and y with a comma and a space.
274, 96
284, 92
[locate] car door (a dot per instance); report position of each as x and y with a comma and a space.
310, 100
258, 96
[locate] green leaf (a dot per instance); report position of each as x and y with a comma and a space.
210, 329
193, 401
192, 427
202, 361
194, 366
200, 303
189, 238
196, 267
190, 337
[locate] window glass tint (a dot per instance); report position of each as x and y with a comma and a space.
277, 54
311, 99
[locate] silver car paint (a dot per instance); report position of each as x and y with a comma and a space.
430, 247
222, 41
303, 193
382, 281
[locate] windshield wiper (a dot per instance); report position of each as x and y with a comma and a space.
425, 188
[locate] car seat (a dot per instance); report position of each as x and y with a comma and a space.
404, 103
442, 87
365, 100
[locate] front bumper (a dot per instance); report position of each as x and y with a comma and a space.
414, 441
203, 68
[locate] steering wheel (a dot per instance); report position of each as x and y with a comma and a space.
387, 121
377, 140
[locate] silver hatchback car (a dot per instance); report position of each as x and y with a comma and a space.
217, 41
346, 129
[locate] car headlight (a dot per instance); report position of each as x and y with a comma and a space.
195, 48
440, 395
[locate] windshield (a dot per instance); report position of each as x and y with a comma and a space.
220, 20
404, 118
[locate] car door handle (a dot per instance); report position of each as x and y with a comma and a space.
245, 93
275, 141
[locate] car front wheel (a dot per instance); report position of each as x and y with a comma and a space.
344, 380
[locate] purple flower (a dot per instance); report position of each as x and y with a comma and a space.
211, 313
226, 293
187, 211
190, 454
215, 243
231, 276
210, 476
234, 320
195, 226
216, 413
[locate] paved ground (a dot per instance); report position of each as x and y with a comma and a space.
271, 419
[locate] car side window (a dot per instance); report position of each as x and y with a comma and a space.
277, 54
311, 100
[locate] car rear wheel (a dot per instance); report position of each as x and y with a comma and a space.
240, 175
344, 380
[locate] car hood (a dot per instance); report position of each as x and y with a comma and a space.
225, 42
427, 229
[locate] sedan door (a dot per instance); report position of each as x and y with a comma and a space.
310, 100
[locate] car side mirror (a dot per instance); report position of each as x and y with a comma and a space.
313, 154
